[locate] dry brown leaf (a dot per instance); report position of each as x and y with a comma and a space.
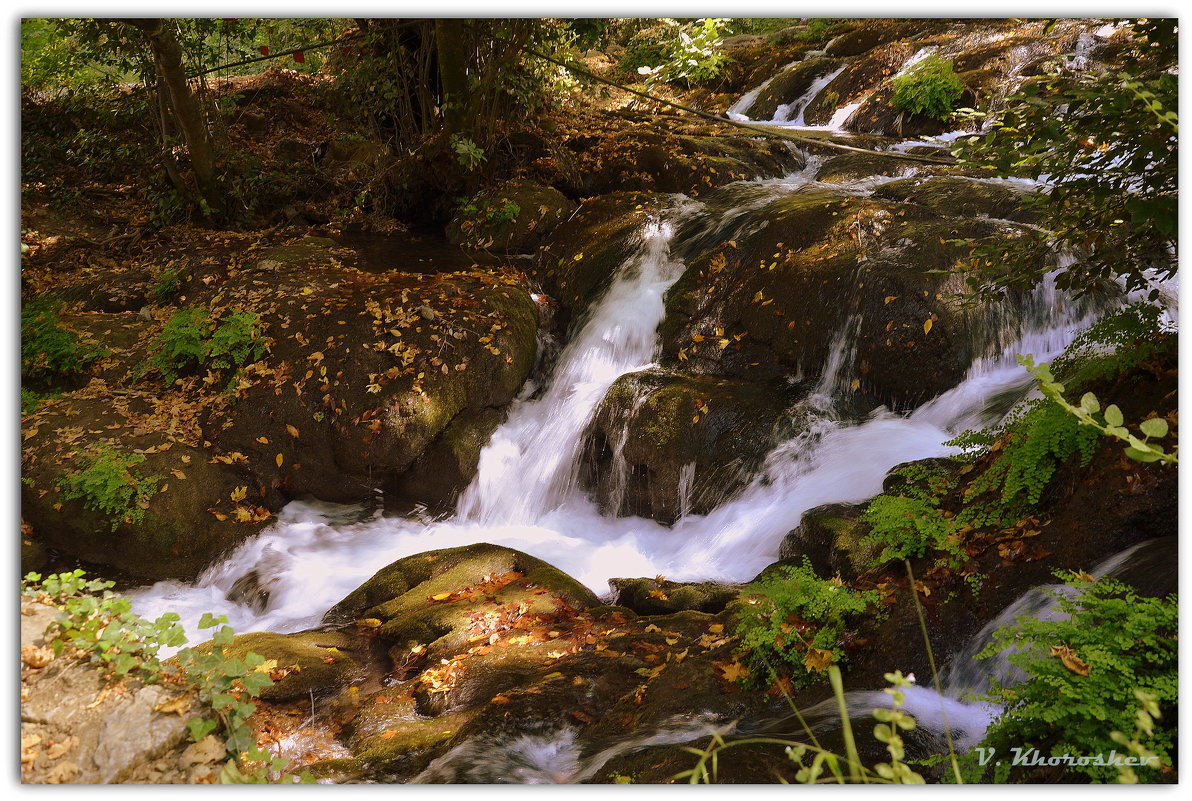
1071, 661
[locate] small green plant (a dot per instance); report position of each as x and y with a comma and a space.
1110, 422
49, 351
801, 620
1085, 670
167, 286
469, 154
826, 766
193, 338
99, 625
1141, 743
31, 399
108, 483
931, 88
1129, 339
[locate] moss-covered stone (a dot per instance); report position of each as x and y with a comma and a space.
956, 196
649, 596
513, 217
789, 86
311, 661
584, 252
783, 287
830, 537
426, 599
662, 444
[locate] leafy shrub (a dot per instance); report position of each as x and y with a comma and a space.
108, 484
800, 619
100, 625
690, 54
193, 338
49, 351
1033, 447
31, 399
1084, 671
931, 88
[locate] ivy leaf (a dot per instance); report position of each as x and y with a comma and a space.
1154, 427
1113, 415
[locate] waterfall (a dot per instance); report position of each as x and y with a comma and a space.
531, 464
525, 495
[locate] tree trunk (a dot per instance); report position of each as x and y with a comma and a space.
453, 72
188, 114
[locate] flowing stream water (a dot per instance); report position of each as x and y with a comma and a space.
525, 494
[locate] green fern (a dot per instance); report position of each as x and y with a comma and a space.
799, 619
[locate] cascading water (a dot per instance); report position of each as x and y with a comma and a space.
525, 493
530, 465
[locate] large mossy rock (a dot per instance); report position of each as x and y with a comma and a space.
664, 153
172, 531
513, 217
962, 197
662, 444
427, 599
366, 370
830, 537
820, 272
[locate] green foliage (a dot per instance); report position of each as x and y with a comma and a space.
49, 351
689, 54
1121, 342
225, 683
167, 286
1033, 446
1107, 143
100, 625
108, 483
799, 619
31, 399
931, 88
193, 338
1084, 673
1110, 422
469, 154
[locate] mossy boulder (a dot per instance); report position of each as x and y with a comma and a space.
168, 530
820, 272
583, 253
789, 86
662, 153
651, 596
366, 370
830, 537
961, 197
447, 466
663, 444
427, 599
512, 218
307, 662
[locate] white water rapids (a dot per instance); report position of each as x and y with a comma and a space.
525, 494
